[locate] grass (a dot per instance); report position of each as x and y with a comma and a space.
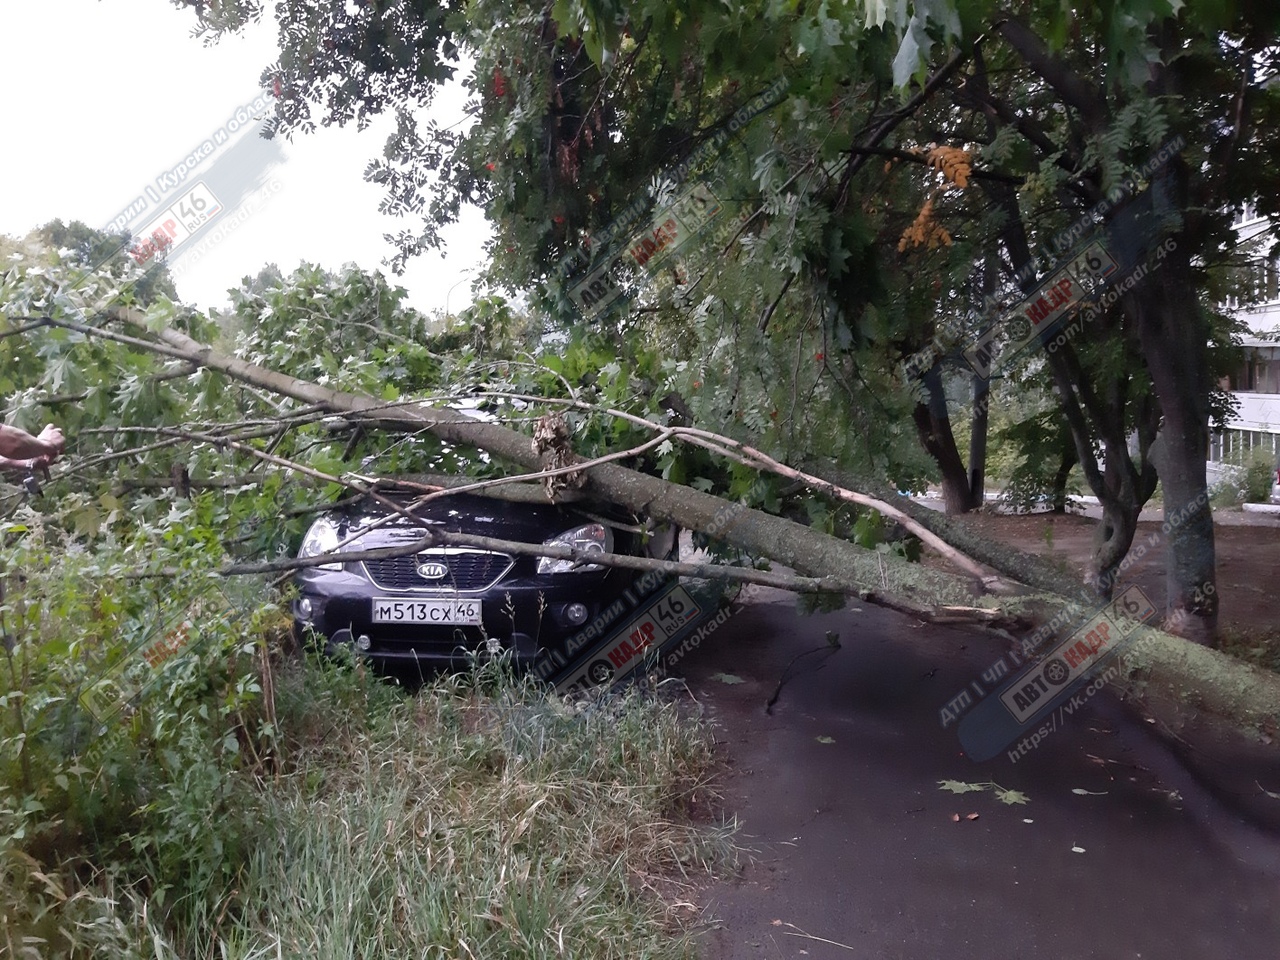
487, 818
1259, 646
482, 817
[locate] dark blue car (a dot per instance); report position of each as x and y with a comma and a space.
442, 605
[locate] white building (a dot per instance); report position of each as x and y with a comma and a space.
1256, 381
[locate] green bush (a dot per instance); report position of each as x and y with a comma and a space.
129, 725
1259, 474
1251, 481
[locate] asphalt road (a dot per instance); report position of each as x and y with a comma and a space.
1165, 857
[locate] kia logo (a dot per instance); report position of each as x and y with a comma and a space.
432, 570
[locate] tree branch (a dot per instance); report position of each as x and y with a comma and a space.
705, 571
859, 159
909, 157
767, 315
1074, 90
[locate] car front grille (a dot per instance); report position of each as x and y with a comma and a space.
469, 570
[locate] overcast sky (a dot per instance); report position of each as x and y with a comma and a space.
106, 97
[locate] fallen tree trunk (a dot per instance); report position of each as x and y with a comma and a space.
1018, 564
1159, 665
868, 574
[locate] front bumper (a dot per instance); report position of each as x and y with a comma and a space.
523, 615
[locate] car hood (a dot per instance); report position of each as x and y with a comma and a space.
459, 513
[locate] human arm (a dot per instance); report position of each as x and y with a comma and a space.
20, 450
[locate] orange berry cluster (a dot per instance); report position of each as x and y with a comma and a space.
925, 231
954, 163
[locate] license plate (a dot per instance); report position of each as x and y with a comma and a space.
445, 612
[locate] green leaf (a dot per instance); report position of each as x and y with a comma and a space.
1011, 796
807, 37
908, 60
728, 678
825, 739
959, 786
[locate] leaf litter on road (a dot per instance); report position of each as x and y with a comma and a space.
1003, 794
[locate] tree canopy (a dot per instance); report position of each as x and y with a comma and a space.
930, 164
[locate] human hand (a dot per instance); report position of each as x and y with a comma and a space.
53, 438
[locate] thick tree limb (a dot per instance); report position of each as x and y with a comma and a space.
1074, 90
750, 457
1014, 563
163, 483
513, 492
754, 458
792, 544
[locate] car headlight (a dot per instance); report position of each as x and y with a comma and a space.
321, 538
593, 538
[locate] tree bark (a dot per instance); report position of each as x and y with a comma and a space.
978, 442
1173, 334
933, 425
872, 575
1175, 341
1100, 412
1069, 460
1014, 563
1112, 539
